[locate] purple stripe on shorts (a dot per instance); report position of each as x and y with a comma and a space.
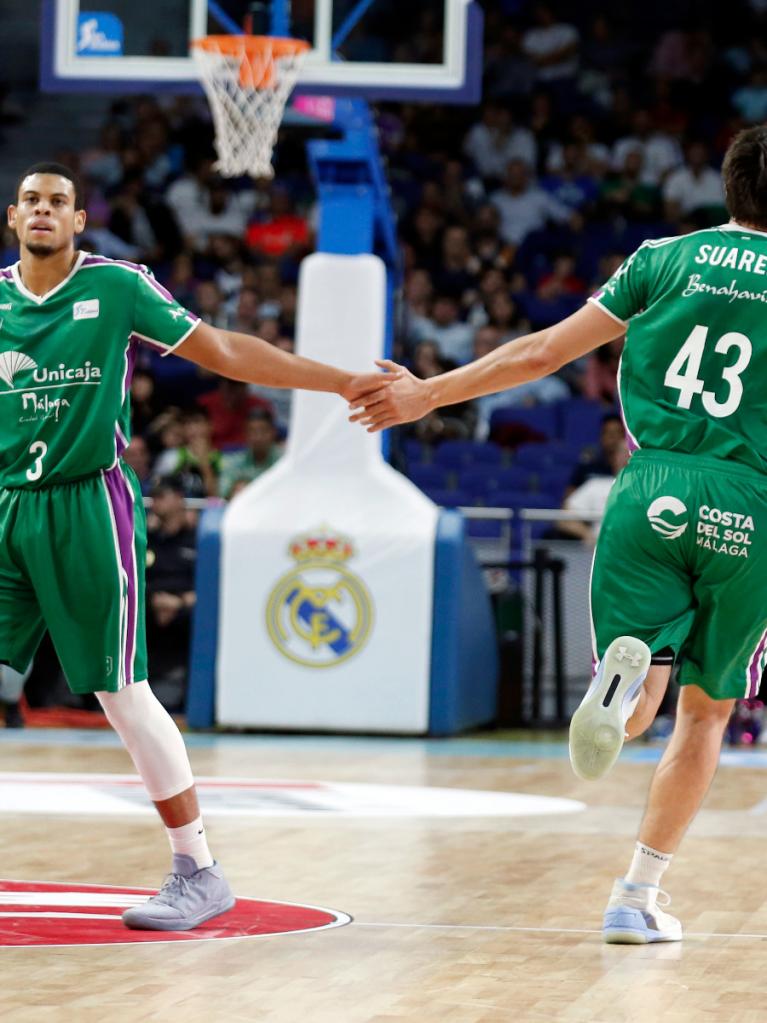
121, 499
754, 672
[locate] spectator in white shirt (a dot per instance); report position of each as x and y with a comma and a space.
454, 338
695, 187
495, 140
660, 152
524, 207
591, 498
751, 100
552, 46
204, 206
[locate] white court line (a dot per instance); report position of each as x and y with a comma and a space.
543, 930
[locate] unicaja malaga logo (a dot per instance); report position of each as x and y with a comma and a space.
663, 515
13, 362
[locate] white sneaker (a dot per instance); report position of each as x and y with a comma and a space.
598, 727
633, 917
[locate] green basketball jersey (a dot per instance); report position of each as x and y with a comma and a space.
693, 376
66, 361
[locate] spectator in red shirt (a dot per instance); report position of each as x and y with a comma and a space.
283, 233
228, 408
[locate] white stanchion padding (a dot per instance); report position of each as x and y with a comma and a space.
328, 558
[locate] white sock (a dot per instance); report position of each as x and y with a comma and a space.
190, 840
647, 866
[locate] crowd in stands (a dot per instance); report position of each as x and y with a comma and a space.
600, 126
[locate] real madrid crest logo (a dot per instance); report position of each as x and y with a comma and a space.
319, 614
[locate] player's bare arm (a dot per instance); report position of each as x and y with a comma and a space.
255, 361
517, 362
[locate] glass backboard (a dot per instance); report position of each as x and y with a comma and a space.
379, 49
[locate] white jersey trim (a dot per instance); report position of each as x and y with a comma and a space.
733, 226
162, 344
595, 301
632, 438
173, 347
39, 299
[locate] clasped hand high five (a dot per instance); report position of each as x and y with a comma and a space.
399, 397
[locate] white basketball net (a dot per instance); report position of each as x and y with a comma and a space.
247, 93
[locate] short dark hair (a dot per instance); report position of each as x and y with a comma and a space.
611, 417
744, 173
50, 167
171, 483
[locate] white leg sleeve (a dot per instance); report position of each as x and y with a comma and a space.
151, 737
12, 683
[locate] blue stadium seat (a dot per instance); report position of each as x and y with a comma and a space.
529, 424
486, 529
524, 499
449, 498
460, 454
550, 455
543, 312
429, 477
582, 421
418, 453
554, 480
441, 497
477, 481
515, 478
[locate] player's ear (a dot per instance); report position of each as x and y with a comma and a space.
80, 217
11, 216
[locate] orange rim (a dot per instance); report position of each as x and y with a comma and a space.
252, 46
255, 53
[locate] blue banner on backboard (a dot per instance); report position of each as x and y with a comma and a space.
99, 34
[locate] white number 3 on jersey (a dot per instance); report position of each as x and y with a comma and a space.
39, 449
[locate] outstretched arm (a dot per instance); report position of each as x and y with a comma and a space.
517, 362
248, 358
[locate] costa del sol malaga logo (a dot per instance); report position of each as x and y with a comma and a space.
662, 513
320, 613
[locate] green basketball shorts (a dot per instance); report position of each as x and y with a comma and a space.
681, 563
72, 560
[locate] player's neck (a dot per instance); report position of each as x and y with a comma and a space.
41, 274
749, 227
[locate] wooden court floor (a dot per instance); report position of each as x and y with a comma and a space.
456, 919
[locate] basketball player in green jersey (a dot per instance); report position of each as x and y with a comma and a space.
72, 526
681, 562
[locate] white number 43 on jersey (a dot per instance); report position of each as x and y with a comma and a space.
683, 373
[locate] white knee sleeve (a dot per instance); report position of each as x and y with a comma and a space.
151, 737
12, 683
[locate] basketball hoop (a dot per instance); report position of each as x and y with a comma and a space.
247, 80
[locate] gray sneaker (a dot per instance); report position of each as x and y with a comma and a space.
598, 727
188, 898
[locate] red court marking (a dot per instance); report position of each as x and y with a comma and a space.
49, 913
